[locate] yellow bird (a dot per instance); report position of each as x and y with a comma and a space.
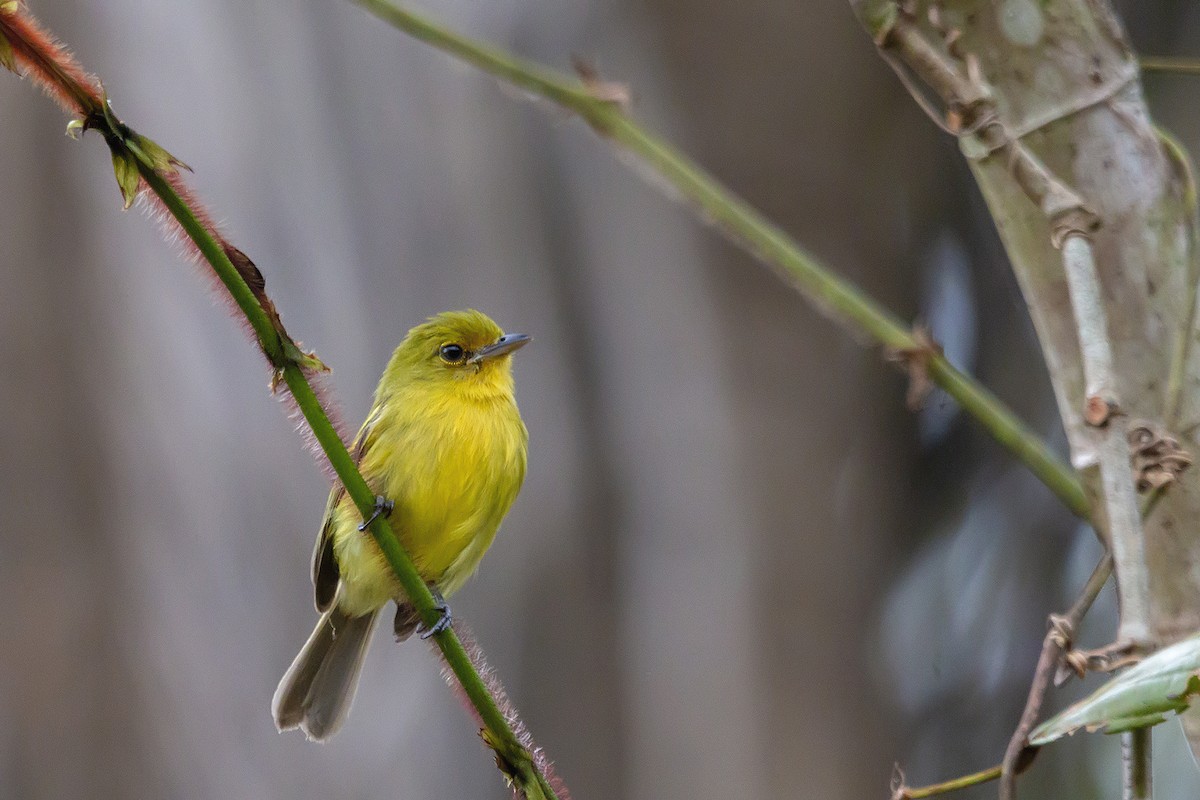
444, 447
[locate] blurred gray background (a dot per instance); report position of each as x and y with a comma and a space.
739, 568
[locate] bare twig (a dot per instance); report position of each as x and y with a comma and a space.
1018, 756
1104, 415
973, 113
902, 791
1056, 654
1054, 648
964, 96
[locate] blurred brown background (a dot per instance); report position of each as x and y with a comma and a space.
739, 567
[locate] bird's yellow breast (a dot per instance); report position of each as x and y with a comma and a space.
453, 463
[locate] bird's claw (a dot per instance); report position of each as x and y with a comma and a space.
443, 622
382, 506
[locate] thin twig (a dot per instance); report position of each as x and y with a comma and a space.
1103, 413
900, 791
973, 103
746, 227
1017, 757
1170, 64
1054, 647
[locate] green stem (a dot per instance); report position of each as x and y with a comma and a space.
214, 254
834, 296
290, 364
1011, 433
504, 739
934, 789
1178, 65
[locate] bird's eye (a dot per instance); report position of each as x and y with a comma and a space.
452, 353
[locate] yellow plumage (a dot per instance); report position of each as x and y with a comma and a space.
445, 443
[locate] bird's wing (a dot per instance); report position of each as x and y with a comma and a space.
325, 573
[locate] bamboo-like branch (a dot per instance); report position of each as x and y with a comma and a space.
956, 77
742, 224
48, 63
1104, 415
1071, 220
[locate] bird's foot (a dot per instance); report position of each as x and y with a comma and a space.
443, 622
382, 506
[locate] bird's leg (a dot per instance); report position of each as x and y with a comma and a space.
439, 605
382, 506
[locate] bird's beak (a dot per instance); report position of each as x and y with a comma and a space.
503, 346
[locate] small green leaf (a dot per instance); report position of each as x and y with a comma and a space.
1137, 698
7, 58
159, 158
76, 128
125, 168
304, 359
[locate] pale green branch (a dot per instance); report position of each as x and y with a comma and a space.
834, 296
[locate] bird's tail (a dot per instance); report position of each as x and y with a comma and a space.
316, 691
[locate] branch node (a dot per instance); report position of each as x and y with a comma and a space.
1068, 215
1109, 658
915, 360
1075, 662
618, 94
1157, 456
1099, 410
1062, 631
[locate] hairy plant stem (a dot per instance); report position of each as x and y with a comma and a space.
55, 70
741, 223
1058, 641
503, 737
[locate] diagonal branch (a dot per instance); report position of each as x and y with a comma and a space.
49, 65
1058, 640
832, 295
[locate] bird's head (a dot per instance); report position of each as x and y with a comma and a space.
460, 348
